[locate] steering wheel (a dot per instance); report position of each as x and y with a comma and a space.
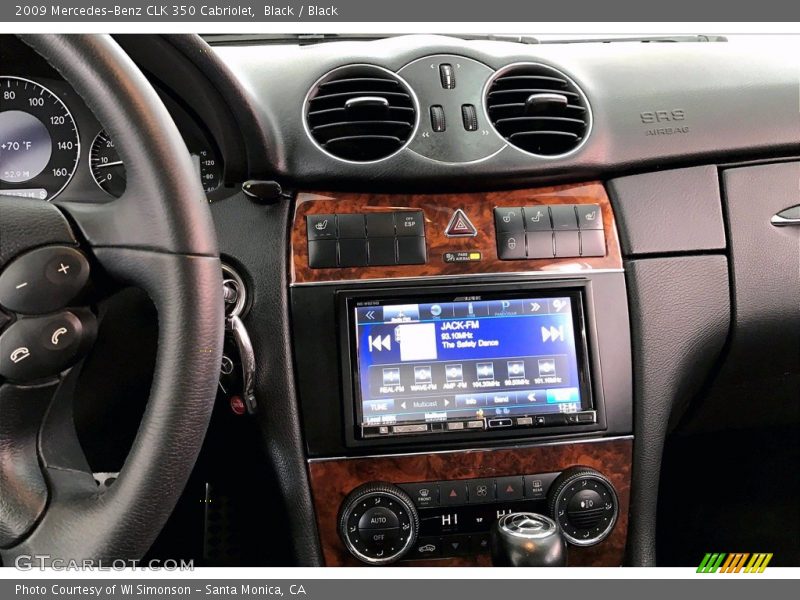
159, 237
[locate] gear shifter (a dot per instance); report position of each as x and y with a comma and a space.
527, 540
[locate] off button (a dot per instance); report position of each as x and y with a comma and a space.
378, 517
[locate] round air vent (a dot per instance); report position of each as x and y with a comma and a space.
360, 113
538, 109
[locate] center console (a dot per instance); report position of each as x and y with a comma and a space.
460, 357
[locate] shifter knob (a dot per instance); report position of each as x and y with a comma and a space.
527, 540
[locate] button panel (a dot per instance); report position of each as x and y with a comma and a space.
549, 231
461, 526
361, 240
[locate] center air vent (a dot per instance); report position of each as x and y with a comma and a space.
360, 113
538, 109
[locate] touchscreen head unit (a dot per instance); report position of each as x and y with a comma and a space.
469, 363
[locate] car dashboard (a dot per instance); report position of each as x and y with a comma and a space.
476, 277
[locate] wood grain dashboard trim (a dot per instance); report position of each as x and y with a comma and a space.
332, 480
438, 209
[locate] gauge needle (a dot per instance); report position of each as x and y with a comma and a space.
108, 164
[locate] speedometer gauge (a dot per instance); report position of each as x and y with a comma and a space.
39, 144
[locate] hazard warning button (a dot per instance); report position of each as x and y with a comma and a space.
460, 226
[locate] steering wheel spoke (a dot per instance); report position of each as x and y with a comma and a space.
158, 237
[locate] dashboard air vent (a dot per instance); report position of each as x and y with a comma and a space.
360, 113
538, 109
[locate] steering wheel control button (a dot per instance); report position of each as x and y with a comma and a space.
43, 280
38, 347
60, 333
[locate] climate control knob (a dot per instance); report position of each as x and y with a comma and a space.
378, 523
584, 504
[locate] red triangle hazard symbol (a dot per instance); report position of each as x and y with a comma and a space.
453, 493
460, 225
510, 489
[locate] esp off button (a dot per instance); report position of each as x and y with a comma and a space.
43, 280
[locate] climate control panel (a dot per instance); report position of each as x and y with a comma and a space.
381, 523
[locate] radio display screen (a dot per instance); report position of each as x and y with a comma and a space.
469, 358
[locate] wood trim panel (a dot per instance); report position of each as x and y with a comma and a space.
438, 209
332, 480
